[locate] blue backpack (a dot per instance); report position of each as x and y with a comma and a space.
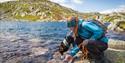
98, 23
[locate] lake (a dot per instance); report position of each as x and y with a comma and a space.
34, 38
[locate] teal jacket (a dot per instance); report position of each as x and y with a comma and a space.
88, 30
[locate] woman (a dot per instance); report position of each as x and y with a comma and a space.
91, 35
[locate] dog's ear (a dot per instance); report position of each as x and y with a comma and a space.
62, 48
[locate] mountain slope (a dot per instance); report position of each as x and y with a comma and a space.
35, 10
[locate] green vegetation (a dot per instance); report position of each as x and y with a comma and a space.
27, 17
35, 10
46, 10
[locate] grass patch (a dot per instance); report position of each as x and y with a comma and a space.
122, 25
28, 17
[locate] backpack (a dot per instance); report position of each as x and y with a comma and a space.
100, 24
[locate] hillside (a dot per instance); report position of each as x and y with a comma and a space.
45, 10
34, 10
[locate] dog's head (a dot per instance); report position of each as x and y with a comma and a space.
65, 44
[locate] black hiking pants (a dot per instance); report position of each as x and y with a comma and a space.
95, 48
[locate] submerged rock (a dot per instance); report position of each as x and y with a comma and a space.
38, 51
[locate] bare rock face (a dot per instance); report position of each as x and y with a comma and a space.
117, 26
116, 44
115, 55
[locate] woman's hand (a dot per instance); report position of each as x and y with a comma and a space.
68, 59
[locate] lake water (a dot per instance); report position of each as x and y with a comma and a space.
39, 29
43, 30
32, 38
27, 36
54, 31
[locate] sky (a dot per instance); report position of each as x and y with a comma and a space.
6, 0
93, 5
103, 6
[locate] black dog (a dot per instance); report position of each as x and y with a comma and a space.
65, 44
